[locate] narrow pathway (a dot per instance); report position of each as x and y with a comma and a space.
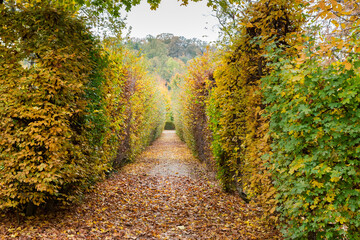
165, 194
168, 156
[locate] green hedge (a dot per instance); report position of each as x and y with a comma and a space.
315, 126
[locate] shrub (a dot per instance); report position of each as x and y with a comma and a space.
235, 109
315, 128
169, 126
47, 61
190, 117
136, 104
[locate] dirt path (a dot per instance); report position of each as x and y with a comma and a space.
167, 156
165, 194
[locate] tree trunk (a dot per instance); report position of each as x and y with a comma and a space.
30, 209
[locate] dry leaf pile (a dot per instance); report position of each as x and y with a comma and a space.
160, 204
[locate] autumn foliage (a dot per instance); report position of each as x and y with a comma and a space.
313, 104
135, 104
65, 103
44, 149
190, 94
283, 115
275, 110
233, 109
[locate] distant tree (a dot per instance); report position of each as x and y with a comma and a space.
166, 53
154, 47
165, 37
169, 45
176, 47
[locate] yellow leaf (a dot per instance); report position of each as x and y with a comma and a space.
334, 3
335, 23
322, 5
340, 219
334, 179
347, 65
317, 184
330, 197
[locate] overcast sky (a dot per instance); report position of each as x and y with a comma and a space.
193, 20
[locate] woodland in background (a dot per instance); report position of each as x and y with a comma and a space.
274, 110
167, 54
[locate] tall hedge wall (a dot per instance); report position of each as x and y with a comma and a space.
236, 105
190, 96
315, 115
69, 107
284, 116
45, 67
136, 104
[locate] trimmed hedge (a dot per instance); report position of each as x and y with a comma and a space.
315, 115
46, 65
191, 92
169, 126
70, 108
236, 107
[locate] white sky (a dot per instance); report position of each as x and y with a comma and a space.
193, 20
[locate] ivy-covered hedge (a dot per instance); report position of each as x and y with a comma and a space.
315, 126
284, 119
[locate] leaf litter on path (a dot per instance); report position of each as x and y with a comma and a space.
165, 194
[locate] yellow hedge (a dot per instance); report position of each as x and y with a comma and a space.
69, 108
235, 108
190, 94
45, 67
136, 104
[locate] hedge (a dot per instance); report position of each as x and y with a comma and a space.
70, 108
314, 115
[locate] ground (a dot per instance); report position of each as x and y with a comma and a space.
165, 194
